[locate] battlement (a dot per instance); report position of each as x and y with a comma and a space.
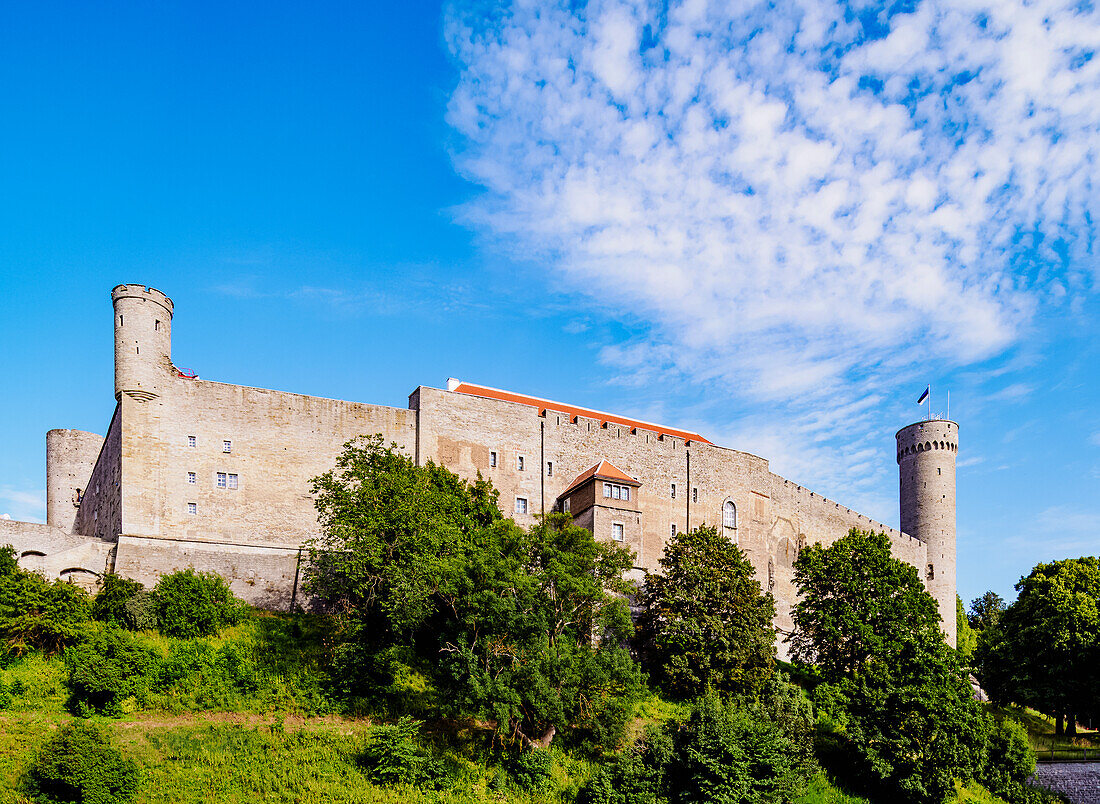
927, 436
142, 292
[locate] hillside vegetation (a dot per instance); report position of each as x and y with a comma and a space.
453, 656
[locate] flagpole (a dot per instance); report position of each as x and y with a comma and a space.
929, 401
949, 406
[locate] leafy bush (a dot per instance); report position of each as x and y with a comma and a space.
635, 776
533, 770
394, 756
5, 695
192, 604
78, 764
109, 604
35, 613
1009, 762
104, 670
139, 613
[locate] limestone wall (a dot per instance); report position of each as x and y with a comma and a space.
70, 457
262, 576
278, 443
100, 513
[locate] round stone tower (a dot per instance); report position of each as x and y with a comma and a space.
143, 341
926, 465
70, 459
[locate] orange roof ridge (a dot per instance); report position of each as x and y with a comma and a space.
572, 410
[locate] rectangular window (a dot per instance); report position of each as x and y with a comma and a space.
221, 480
192, 508
565, 505
626, 492
549, 468
232, 481
227, 446
519, 463
607, 490
191, 478
617, 531
695, 495
672, 492
192, 441
521, 505
672, 529
492, 460
156, 326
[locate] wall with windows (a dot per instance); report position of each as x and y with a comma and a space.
100, 513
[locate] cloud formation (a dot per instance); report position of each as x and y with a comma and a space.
799, 197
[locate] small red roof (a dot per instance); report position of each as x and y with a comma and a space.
571, 410
604, 470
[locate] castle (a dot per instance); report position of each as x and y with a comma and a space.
194, 473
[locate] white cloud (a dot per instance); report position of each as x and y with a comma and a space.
799, 202
26, 506
1095, 438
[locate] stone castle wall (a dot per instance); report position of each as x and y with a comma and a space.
100, 512
70, 457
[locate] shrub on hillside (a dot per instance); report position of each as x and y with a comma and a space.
532, 770
193, 604
106, 669
393, 755
109, 604
635, 776
35, 613
1009, 762
139, 613
79, 765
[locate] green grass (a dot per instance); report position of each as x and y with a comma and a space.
1040, 731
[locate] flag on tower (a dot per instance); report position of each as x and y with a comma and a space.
924, 396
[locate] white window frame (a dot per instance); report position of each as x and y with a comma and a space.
227, 446
192, 508
232, 481
192, 478
725, 521
565, 505
620, 527
220, 482
192, 441
492, 459
672, 530
521, 505
607, 490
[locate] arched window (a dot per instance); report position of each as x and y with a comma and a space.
729, 515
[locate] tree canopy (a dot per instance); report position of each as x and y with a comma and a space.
704, 621
521, 628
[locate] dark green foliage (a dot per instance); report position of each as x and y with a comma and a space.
533, 770
1009, 762
439, 601
726, 755
634, 777
139, 613
5, 695
908, 724
856, 602
1044, 650
35, 613
105, 669
192, 604
985, 611
393, 755
109, 604
704, 621
79, 765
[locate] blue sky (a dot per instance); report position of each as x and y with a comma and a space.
772, 226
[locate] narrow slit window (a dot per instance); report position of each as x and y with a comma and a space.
672, 530
519, 463
492, 460
694, 495
156, 326
549, 468
672, 491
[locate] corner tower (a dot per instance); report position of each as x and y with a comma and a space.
143, 341
926, 466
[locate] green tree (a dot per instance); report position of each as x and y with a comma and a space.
192, 604
856, 602
105, 669
704, 622
109, 604
985, 611
912, 724
965, 639
36, 613
1044, 651
522, 628
78, 765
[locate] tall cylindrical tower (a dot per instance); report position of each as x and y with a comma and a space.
70, 459
143, 341
926, 465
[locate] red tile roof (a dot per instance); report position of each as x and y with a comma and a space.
570, 410
604, 470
